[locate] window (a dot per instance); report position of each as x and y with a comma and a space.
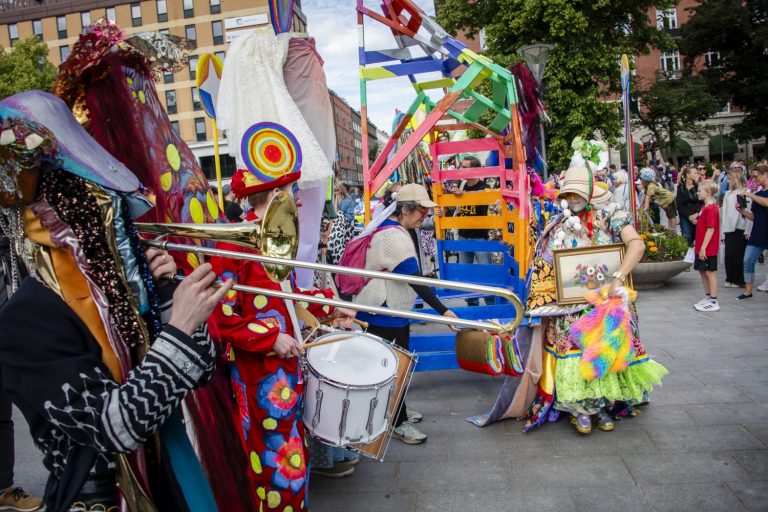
221, 55
196, 99
170, 101
200, 128
63, 52
190, 32
175, 126
726, 109
218, 32
111, 13
13, 33
85, 20
189, 8
712, 59
670, 61
61, 26
215, 6
162, 10
136, 15
666, 18
192, 67
37, 29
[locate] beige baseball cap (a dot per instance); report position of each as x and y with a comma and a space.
416, 193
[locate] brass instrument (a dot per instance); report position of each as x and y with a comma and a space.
276, 241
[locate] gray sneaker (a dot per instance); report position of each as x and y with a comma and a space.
338, 470
414, 416
408, 434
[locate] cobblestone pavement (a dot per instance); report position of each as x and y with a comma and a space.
702, 444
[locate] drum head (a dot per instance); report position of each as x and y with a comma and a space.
356, 360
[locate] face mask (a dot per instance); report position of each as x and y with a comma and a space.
577, 205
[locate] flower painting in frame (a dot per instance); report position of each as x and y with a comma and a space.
583, 269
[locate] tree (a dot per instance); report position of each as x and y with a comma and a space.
735, 35
671, 107
26, 67
588, 38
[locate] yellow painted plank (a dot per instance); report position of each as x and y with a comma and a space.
484, 222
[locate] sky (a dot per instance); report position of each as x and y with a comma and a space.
333, 24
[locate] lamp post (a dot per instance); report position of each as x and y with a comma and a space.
720, 129
535, 56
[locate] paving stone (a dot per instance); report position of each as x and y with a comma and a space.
724, 414
754, 461
760, 431
457, 475
670, 416
732, 376
384, 474
701, 439
571, 472
625, 499
669, 468
598, 442
432, 450
369, 501
754, 495
698, 497
553, 500
699, 395
757, 392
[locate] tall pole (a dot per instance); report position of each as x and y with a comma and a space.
721, 128
628, 141
536, 56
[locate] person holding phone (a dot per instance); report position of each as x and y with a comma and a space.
734, 227
758, 238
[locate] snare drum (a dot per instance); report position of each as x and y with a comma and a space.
349, 388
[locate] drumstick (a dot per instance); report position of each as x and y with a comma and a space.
320, 342
363, 324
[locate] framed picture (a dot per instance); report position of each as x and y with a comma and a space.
580, 270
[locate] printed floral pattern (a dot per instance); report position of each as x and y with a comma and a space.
287, 457
277, 394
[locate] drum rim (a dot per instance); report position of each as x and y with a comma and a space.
341, 385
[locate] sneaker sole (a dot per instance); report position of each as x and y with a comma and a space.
319, 472
407, 440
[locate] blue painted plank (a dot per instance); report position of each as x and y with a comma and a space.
433, 342
437, 361
494, 275
475, 245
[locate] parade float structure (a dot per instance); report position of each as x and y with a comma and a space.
422, 48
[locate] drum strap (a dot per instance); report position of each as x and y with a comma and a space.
286, 287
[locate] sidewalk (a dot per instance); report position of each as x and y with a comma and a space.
701, 445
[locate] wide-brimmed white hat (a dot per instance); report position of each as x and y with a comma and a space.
581, 181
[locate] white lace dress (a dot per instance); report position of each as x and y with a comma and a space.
253, 90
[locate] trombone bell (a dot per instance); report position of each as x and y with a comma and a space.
277, 235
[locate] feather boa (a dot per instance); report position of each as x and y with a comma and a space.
605, 334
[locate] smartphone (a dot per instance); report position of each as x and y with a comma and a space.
742, 201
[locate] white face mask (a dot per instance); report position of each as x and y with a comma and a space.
577, 205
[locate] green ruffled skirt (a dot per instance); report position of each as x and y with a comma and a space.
631, 386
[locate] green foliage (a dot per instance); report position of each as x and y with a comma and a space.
589, 36
26, 67
672, 107
738, 30
662, 244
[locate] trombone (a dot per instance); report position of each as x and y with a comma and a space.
276, 241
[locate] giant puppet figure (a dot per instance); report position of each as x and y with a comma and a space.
109, 85
87, 351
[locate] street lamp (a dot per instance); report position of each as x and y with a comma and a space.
535, 56
720, 129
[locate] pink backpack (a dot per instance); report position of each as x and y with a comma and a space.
354, 257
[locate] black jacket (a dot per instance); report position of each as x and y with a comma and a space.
687, 201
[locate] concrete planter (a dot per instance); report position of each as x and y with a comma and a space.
647, 276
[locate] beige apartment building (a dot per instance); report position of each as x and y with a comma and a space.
210, 24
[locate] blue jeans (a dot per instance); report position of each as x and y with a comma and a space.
688, 229
6, 442
750, 258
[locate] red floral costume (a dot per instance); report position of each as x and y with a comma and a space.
268, 389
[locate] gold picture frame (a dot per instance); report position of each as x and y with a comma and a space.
584, 269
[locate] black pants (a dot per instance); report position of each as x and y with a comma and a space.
735, 245
6, 442
401, 336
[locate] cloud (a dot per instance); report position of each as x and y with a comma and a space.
333, 24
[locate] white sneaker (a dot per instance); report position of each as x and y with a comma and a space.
408, 434
708, 307
702, 302
414, 416
763, 287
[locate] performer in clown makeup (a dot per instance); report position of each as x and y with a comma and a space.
261, 339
